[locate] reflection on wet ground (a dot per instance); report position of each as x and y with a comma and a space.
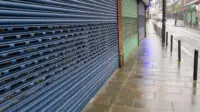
150, 81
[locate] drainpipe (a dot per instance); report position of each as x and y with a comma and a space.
120, 33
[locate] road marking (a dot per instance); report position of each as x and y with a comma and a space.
184, 49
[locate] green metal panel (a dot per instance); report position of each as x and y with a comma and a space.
185, 17
129, 45
194, 16
129, 21
189, 17
129, 8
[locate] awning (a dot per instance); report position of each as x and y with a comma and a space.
193, 2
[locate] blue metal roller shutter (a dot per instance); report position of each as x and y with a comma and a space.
55, 54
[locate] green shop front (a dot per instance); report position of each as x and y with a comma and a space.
190, 15
133, 25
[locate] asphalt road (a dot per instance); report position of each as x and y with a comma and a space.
190, 38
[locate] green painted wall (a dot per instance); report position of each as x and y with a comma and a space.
130, 32
129, 45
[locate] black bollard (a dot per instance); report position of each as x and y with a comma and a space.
156, 29
179, 50
160, 32
175, 22
166, 38
196, 52
171, 49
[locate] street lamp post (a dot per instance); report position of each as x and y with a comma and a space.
163, 20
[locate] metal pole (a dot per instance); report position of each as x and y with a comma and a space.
171, 43
166, 38
161, 32
163, 20
179, 50
196, 52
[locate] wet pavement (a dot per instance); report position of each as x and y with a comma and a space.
152, 80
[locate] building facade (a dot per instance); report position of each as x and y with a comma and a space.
191, 12
174, 9
155, 9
